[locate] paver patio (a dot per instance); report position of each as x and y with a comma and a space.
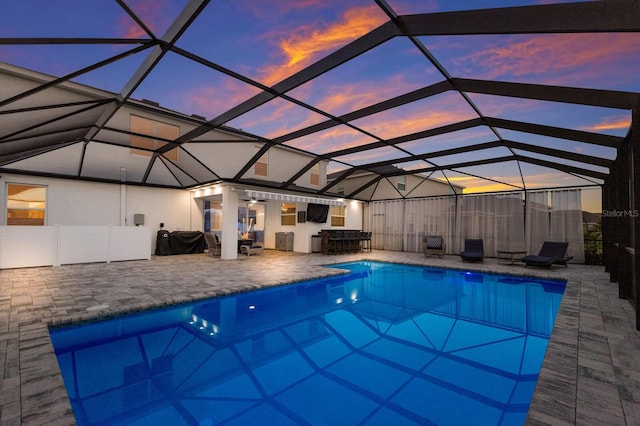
591, 373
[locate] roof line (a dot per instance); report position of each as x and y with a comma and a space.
573, 95
545, 163
583, 17
557, 132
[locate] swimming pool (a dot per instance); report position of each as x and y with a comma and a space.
384, 344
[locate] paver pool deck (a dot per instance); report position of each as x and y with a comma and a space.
590, 376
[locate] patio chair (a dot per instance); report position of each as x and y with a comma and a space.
253, 249
433, 245
551, 253
473, 250
214, 244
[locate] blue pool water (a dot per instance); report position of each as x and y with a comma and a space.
387, 344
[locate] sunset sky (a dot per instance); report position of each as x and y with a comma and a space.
268, 41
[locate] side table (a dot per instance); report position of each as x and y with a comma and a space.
510, 254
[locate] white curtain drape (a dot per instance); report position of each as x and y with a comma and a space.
538, 220
498, 219
510, 229
413, 225
566, 221
429, 216
385, 220
376, 223
475, 220
555, 216
393, 225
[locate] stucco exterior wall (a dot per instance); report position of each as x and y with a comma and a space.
72, 202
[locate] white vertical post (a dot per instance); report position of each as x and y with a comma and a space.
229, 224
109, 237
56, 245
123, 197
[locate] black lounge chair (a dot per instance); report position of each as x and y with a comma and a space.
473, 250
551, 253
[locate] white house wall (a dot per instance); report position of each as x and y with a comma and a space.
284, 163
385, 190
417, 186
122, 119
72, 202
304, 231
173, 207
353, 183
75, 203
224, 159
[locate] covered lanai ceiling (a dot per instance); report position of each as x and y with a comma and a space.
537, 94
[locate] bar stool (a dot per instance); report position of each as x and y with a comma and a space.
349, 241
366, 241
336, 242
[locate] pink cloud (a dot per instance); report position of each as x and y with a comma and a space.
583, 56
213, 100
339, 99
287, 115
549, 179
154, 13
336, 138
611, 123
299, 47
342, 98
420, 115
130, 29
372, 155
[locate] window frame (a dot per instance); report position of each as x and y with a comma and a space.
314, 175
143, 143
337, 219
261, 166
401, 183
288, 218
7, 201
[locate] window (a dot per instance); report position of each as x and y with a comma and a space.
340, 188
401, 183
26, 204
261, 168
213, 216
158, 131
288, 214
315, 175
337, 215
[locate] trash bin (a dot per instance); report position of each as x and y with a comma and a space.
316, 244
163, 243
